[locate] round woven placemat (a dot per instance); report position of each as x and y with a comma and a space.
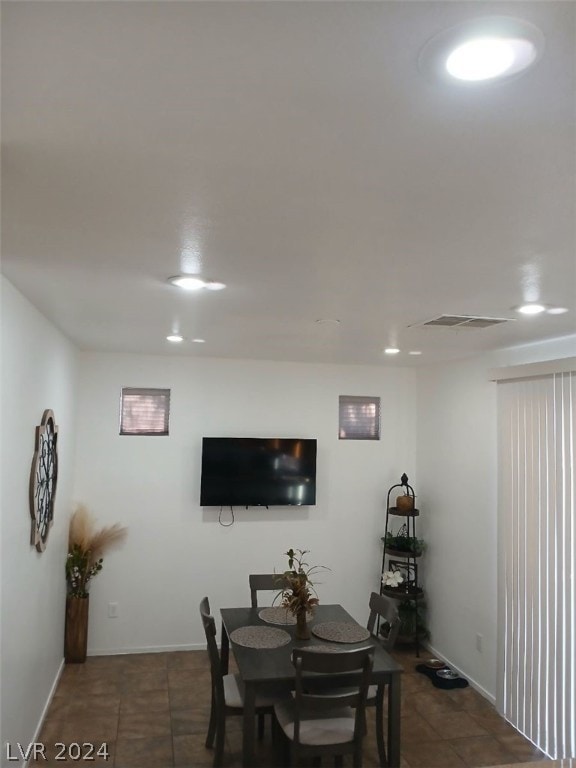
260, 637
341, 632
279, 615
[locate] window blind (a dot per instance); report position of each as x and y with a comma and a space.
144, 411
359, 418
537, 552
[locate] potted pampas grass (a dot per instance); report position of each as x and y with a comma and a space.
86, 547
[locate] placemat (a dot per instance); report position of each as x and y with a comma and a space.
341, 631
438, 682
260, 637
279, 615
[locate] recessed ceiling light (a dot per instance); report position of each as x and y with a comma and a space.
198, 341
193, 283
328, 321
414, 352
484, 49
531, 309
187, 282
557, 310
485, 58
175, 338
391, 351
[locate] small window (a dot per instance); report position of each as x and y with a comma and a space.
359, 418
144, 411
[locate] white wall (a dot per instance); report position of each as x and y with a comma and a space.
38, 372
176, 551
458, 474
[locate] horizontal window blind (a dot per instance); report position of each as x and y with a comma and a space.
359, 418
537, 552
144, 411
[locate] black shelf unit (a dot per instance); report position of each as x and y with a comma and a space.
401, 524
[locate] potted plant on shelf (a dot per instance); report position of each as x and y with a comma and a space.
86, 546
403, 544
299, 595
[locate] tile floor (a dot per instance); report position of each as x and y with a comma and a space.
152, 711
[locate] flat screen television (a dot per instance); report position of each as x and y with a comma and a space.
258, 471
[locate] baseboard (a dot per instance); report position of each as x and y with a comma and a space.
477, 687
38, 731
146, 649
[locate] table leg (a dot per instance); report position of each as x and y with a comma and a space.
394, 721
248, 741
380, 726
224, 651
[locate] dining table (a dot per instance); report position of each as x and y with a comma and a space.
270, 670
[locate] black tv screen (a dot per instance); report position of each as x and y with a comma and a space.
254, 471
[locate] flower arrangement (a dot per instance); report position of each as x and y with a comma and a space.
298, 593
392, 578
85, 549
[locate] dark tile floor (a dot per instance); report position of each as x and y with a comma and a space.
151, 710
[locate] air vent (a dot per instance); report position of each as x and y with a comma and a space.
462, 321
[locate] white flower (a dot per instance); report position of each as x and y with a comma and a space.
392, 578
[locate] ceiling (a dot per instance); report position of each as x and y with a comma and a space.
296, 152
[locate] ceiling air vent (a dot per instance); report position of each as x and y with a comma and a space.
462, 321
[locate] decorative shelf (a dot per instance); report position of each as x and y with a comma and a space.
402, 552
409, 639
400, 593
403, 512
403, 561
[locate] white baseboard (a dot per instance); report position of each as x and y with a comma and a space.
477, 687
146, 649
45, 709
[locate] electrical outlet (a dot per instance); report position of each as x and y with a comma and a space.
112, 610
479, 639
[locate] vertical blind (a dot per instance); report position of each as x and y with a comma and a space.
144, 411
358, 417
537, 551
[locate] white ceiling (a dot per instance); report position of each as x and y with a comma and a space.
294, 151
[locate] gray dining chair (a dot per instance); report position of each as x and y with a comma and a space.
384, 620
265, 582
384, 626
227, 693
327, 722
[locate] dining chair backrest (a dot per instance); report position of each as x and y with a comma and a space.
213, 653
384, 610
265, 582
322, 702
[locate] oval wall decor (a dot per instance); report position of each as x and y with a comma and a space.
43, 479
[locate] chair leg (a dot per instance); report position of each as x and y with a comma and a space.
294, 754
260, 727
212, 724
220, 738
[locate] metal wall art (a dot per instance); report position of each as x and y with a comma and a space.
43, 479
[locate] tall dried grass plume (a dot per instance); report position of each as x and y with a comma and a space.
86, 546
